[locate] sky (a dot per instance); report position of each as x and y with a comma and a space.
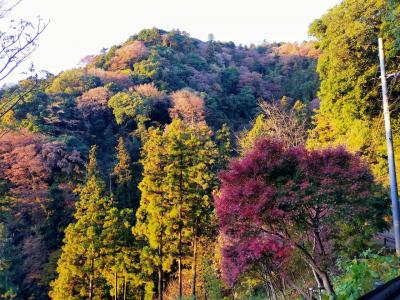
81, 27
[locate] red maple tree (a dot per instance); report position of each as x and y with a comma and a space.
275, 201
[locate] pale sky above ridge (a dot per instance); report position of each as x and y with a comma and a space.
81, 27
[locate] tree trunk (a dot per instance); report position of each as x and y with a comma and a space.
322, 274
267, 290
273, 292
205, 286
125, 284
194, 259
319, 241
295, 287
160, 272
317, 279
180, 231
180, 263
116, 285
327, 283
160, 287
90, 287
91, 279
283, 287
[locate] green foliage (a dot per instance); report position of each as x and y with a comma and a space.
177, 185
8, 262
129, 106
148, 69
230, 79
196, 61
223, 142
123, 177
392, 28
120, 253
149, 35
248, 138
241, 106
153, 213
81, 254
350, 112
213, 284
359, 276
301, 82
73, 82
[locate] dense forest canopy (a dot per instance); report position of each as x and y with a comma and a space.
350, 92
167, 166
152, 78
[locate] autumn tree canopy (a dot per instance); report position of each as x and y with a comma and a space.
275, 201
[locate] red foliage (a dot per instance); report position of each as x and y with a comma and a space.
116, 77
33, 248
275, 199
127, 55
255, 81
204, 81
94, 100
305, 49
31, 165
187, 106
149, 90
240, 254
29, 162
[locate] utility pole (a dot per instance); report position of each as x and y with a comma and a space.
392, 167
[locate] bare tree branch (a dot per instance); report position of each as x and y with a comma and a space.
17, 43
279, 121
4, 10
9, 104
285, 124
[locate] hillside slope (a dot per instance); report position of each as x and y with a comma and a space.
153, 76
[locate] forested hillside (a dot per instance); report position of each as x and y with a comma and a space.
145, 82
169, 167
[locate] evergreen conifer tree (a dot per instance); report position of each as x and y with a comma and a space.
79, 267
124, 177
176, 189
153, 217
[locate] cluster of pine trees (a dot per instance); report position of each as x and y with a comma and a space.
105, 252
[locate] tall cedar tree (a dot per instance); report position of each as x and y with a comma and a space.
189, 182
153, 215
120, 254
176, 190
278, 201
124, 177
81, 261
224, 145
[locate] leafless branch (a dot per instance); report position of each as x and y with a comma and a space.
17, 45
8, 104
285, 124
5, 8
